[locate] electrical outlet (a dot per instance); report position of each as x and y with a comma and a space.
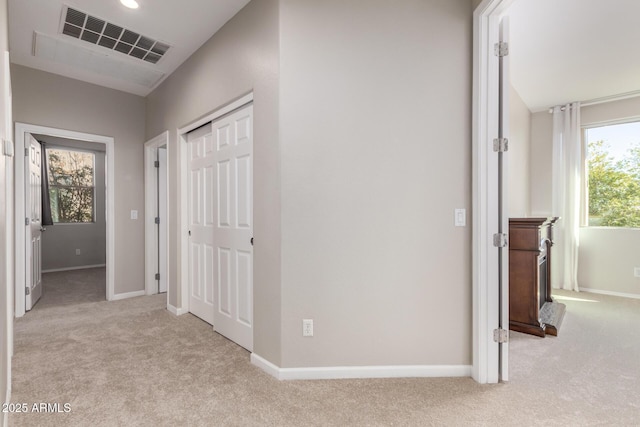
636, 271
307, 327
77, 251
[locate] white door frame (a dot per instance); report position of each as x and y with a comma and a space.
19, 208
183, 218
485, 206
151, 246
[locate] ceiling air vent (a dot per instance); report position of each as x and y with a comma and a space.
97, 31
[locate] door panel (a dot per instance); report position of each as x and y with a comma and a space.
201, 247
233, 316
163, 214
34, 228
503, 217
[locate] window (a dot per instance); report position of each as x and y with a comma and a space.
71, 185
613, 171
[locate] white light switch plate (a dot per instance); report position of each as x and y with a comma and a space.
7, 148
460, 217
134, 214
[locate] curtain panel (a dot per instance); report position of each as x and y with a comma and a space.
567, 183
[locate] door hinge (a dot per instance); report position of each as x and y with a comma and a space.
500, 145
156, 164
500, 240
501, 336
26, 152
157, 276
27, 291
501, 49
26, 221
157, 220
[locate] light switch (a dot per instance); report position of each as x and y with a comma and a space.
460, 217
134, 214
7, 148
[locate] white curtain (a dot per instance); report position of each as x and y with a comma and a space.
567, 171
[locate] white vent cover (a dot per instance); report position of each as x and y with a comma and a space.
96, 31
71, 54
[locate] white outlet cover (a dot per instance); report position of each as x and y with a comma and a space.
307, 327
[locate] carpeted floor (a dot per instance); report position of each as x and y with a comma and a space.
130, 363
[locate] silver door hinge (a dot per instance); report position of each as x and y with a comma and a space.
26, 221
500, 145
27, 291
156, 164
157, 276
501, 336
501, 49
26, 152
500, 240
157, 220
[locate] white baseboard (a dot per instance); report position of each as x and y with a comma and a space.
350, 372
176, 311
126, 295
614, 294
79, 267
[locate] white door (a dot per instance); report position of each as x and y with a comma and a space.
33, 199
503, 216
201, 222
164, 220
233, 226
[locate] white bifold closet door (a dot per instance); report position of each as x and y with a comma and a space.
201, 203
221, 224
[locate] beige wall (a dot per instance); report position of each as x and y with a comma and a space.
607, 256
376, 155
50, 100
541, 163
518, 180
242, 57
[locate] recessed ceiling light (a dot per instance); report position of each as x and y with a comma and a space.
131, 4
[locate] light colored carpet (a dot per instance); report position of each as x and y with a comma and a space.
131, 363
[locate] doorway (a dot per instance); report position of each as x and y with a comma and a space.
217, 220
23, 134
156, 214
490, 301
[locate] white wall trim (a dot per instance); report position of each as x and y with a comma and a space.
79, 267
350, 372
20, 245
485, 274
182, 286
150, 202
125, 295
611, 293
175, 311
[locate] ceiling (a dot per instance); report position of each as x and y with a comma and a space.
36, 39
561, 50
574, 50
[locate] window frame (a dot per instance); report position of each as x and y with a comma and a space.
584, 182
93, 187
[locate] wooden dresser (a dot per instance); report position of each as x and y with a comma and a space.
531, 308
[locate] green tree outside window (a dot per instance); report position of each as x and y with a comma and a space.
71, 185
614, 186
